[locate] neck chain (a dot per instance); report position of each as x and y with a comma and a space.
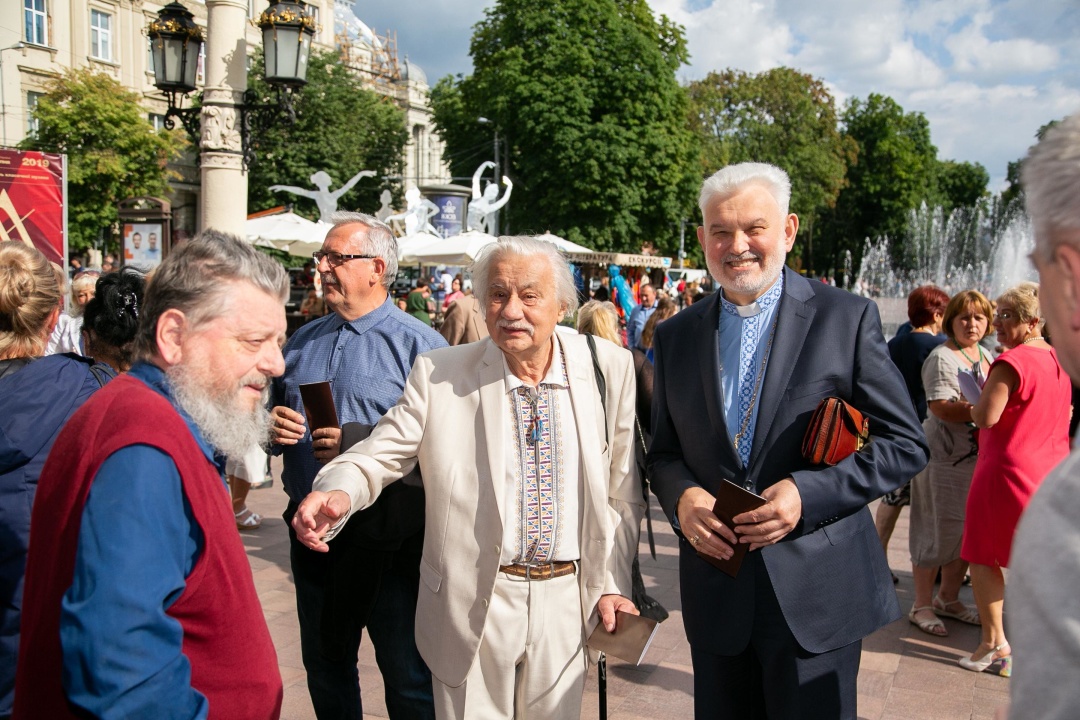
757, 386
1033, 339
970, 360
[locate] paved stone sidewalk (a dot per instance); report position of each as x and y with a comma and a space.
905, 674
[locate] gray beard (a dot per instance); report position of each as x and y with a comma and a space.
230, 430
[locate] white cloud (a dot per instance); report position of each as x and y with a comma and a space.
975, 54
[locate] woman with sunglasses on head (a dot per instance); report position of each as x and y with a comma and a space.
1023, 414
939, 493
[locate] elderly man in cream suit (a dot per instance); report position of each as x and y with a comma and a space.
532, 498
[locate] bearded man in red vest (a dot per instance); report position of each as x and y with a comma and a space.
139, 600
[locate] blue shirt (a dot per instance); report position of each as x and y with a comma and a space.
636, 323
366, 362
138, 542
730, 355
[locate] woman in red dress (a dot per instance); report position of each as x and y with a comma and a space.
1024, 419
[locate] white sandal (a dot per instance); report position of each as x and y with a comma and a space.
931, 627
967, 615
246, 519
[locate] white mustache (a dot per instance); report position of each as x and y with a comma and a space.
329, 279
515, 325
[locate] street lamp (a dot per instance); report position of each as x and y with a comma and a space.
287, 31
288, 28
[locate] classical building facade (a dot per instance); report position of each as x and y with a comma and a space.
40, 39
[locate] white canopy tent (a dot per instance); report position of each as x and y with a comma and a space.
565, 245
410, 245
287, 232
455, 250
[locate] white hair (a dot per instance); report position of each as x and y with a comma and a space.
1051, 179
380, 241
526, 246
734, 178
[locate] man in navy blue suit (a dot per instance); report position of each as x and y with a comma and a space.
783, 638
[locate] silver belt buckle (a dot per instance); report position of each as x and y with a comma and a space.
529, 567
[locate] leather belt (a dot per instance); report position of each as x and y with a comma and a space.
545, 571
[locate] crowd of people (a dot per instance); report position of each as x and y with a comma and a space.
475, 506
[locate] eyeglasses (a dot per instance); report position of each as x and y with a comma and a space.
333, 259
1006, 315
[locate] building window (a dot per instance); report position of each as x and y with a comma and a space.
158, 121
100, 35
36, 21
31, 105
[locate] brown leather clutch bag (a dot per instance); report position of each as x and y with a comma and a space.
836, 430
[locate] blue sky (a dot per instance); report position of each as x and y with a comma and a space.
987, 73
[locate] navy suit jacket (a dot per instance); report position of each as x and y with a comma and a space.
829, 574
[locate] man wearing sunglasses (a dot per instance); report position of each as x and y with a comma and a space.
365, 348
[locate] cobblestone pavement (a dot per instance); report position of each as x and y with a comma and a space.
905, 674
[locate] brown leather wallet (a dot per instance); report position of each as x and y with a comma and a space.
539, 572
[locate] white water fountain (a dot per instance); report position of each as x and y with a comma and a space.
958, 252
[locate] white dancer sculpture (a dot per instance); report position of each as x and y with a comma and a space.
385, 210
483, 207
418, 213
323, 197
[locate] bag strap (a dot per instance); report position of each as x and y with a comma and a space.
601, 384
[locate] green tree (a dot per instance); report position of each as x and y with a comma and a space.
892, 174
584, 96
779, 116
341, 128
961, 184
112, 150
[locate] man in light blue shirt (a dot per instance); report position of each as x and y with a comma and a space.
366, 349
639, 316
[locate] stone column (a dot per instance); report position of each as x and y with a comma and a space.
224, 181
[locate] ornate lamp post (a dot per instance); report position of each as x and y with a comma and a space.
229, 115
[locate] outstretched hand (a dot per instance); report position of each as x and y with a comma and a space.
316, 514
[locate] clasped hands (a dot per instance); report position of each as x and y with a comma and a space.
766, 525
289, 427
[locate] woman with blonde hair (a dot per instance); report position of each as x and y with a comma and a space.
601, 318
665, 308
939, 493
37, 396
67, 336
1023, 416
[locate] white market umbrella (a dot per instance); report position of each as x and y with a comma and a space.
409, 245
562, 244
458, 250
288, 232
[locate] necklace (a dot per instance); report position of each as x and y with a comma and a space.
971, 360
1032, 339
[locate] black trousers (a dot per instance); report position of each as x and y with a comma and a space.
774, 678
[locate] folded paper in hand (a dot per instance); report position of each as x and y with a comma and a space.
631, 639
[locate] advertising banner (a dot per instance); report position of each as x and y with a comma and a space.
143, 245
451, 214
32, 193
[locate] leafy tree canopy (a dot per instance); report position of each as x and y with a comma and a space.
113, 152
779, 116
341, 128
892, 174
583, 93
961, 184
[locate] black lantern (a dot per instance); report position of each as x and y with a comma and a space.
287, 28
176, 43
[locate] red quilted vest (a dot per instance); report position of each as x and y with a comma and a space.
226, 640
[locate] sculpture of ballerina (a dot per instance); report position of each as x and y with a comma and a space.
483, 207
323, 197
385, 210
418, 213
